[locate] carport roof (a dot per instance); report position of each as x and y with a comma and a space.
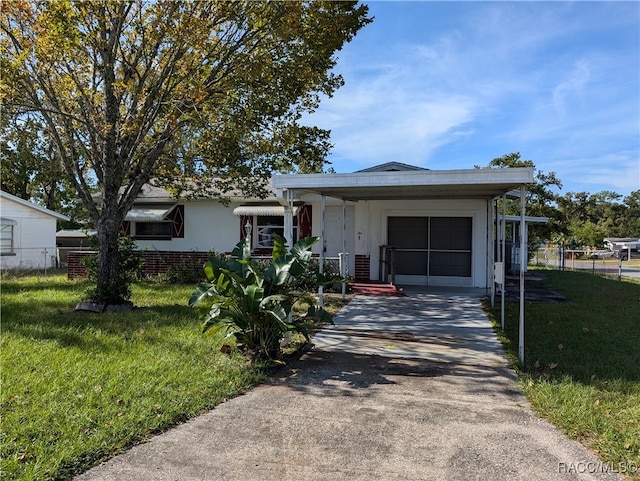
482, 183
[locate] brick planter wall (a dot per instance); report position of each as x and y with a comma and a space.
362, 267
75, 270
155, 262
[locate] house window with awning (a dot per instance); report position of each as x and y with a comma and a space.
267, 221
155, 222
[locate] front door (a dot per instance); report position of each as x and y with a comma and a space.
431, 250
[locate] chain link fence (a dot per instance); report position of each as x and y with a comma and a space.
30, 258
603, 262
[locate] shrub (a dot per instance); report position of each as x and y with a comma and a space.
253, 300
129, 270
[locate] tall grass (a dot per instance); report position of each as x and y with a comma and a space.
582, 362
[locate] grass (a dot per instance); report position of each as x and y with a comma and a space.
582, 363
78, 388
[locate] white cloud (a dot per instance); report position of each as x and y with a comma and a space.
619, 172
545, 78
572, 88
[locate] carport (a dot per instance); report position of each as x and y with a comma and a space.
484, 185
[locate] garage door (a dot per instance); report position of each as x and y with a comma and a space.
431, 250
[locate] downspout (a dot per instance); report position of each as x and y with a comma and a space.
343, 263
491, 227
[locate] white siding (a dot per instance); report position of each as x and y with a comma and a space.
378, 212
33, 234
367, 228
208, 225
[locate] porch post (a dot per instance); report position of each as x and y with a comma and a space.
523, 191
323, 204
491, 241
503, 251
343, 270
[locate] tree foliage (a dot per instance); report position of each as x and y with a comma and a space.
592, 217
29, 167
575, 219
540, 197
200, 94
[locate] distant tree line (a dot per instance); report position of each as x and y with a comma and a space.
575, 219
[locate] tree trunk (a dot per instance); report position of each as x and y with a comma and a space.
110, 286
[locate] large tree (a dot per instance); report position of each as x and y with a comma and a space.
204, 94
633, 213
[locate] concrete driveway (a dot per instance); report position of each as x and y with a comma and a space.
412, 388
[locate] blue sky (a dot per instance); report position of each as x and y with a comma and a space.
451, 85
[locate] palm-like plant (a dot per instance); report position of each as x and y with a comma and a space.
252, 301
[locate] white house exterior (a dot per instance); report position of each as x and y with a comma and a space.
28, 234
435, 227
159, 222
622, 247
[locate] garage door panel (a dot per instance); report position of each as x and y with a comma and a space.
450, 233
408, 232
456, 264
411, 263
431, 247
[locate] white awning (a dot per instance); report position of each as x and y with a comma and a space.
262, 210
149, 214
5, 221
528, 219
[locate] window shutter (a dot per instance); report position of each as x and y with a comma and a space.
177, 219
304, 221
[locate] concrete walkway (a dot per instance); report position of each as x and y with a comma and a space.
412, 388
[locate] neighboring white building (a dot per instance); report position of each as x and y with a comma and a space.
622, 246
27, 234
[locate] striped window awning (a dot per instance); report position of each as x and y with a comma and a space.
5, 221
262, 210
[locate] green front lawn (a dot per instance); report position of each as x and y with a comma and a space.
582, 363
81, 387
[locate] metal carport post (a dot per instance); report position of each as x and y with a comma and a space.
523, 254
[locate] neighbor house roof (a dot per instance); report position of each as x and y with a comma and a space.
75, 233
392, 167
25, 203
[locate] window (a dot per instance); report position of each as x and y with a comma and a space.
267, 227
155, 230
6, 237
157, 223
